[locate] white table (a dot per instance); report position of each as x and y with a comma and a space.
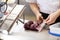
20, 34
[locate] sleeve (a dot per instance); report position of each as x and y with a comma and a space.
31, 1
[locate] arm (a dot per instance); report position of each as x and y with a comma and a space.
52, 17
59, 12
35, 9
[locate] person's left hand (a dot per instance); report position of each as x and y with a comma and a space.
51, 18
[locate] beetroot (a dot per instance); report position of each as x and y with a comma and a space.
30, 25
33, 27
27, 25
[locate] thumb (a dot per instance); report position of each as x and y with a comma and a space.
47, 18
41, 18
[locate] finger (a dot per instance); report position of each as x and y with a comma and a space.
37, 19
46, 21
41, 18
49, 22
47, 18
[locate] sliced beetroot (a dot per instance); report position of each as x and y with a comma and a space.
30, 25
34, 29
30, 22
33, 26
26, 26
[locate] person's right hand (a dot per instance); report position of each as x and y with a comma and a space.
39, 17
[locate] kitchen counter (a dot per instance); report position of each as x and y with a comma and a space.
18, 33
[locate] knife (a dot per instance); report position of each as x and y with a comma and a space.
42, 25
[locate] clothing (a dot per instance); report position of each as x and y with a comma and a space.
46, 6
31, 1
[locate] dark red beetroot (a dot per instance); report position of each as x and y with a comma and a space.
27, 25
30, 25
30, 22
33, 27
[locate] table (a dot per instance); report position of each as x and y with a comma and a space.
9, 19
20, 34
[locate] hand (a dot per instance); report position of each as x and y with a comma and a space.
39, 17
51, 18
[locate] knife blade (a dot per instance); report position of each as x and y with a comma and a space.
42, 25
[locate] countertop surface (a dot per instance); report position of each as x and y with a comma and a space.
18, 33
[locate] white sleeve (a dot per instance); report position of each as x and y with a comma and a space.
31, 1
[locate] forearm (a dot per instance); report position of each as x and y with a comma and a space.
57, 12
34, 8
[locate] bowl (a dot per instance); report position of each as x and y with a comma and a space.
55, 28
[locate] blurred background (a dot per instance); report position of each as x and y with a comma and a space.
29, 14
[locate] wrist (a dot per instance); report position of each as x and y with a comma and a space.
58, 13
38, 14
